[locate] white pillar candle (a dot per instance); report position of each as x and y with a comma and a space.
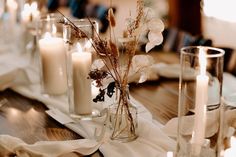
200, 105
53, 57
81, 64
26, 13
231, 152
34, 10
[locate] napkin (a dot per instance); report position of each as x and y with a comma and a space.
9, 145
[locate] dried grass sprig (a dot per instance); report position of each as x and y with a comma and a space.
99, 45
109, 52
111, 18
136, 23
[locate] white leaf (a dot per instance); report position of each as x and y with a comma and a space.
156, 25
143, 77
149, 46
155, 37
98, 64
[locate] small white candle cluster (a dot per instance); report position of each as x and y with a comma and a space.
30, 12
53, 57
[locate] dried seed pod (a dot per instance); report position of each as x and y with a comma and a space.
114, 49
111, 17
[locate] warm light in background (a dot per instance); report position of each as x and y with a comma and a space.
220, 9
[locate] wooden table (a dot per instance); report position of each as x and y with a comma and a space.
26, 118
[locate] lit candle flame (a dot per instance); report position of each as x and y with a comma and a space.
54, 29
79, 48
202, 62
233, 142
27, 7
88, 45
47, 35
34, 6
48, 17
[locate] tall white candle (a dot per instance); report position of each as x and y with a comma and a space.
81, 64
53, 56
200, 104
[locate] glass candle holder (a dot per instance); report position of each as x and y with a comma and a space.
79, 62
200, 90
29, 15
52, 50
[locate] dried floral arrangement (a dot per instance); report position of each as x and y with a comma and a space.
117, 58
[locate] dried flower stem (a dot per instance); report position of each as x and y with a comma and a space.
75, 28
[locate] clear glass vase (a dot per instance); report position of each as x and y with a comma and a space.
123, 117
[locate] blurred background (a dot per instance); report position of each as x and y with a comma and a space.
205, 19
187, 22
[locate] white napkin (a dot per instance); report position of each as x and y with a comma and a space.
9, 144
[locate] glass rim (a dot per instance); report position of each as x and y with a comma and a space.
220, 53
53, 17
84, 22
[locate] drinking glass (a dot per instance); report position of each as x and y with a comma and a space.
200, 90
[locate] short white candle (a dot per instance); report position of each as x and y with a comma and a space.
200, 104
30, 12
231, 152
81, 64
53, 56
